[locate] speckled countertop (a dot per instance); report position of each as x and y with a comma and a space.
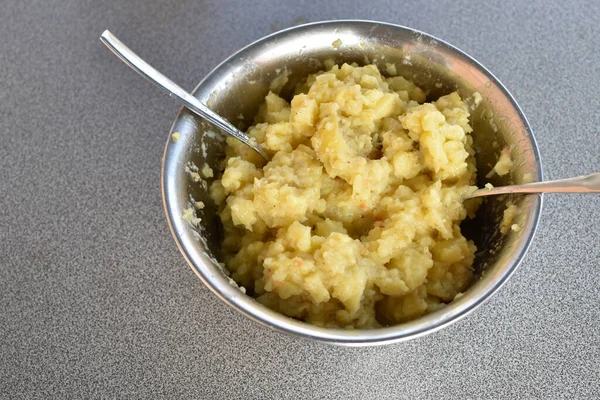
97, 302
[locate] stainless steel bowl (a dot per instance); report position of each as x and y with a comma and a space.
237, 86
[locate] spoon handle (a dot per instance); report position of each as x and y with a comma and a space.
580, 184
140, 66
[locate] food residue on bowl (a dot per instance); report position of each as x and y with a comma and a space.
207, 171
280, 80
176, 136
189, 215
477, 98
507, 219
194, 173
527, 178
503, 165
337, 43
391, 69
355, 221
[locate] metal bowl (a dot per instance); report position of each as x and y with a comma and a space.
235, 90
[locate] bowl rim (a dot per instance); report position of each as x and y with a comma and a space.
430, 323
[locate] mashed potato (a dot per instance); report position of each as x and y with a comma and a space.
354, 222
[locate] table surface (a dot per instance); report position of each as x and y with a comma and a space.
96, 300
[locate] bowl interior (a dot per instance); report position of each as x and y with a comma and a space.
236, 88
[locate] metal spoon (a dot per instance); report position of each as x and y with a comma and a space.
140, 66
580, 184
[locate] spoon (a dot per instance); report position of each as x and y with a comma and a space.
140, 66
580, 184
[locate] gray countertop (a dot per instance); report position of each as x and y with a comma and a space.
96, 300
